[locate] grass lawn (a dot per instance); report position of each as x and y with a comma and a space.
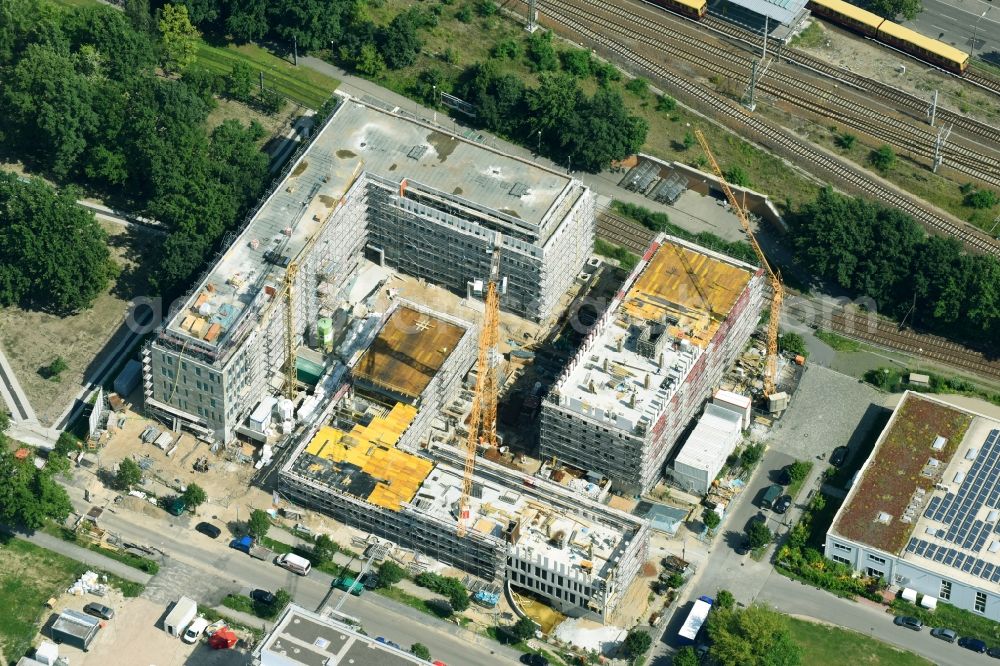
822, 644
839, 343
406, 599
966, 623
29, 576
302, 85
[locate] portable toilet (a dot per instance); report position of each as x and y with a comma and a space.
324, 329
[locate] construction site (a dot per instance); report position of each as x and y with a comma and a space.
650, 361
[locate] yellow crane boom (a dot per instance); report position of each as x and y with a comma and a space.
771, 369
483, 418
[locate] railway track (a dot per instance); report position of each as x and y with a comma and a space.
983, 81
781, 85
904, 99
887, 334
841, 171
630, 235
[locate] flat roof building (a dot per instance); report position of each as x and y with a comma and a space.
413, 196
301, 637
646, 366
924, 513
704, 453
75, 628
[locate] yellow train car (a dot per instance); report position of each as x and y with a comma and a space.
847, 15
941, 54
693, 8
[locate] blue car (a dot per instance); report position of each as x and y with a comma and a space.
973, 644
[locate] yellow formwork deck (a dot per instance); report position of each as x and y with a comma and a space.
372, 448
694, 288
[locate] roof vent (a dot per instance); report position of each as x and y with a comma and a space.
883, 518
416, 152
971, 453
939, 443
518, 190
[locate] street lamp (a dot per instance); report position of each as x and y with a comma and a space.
539, 142
435, 103
975, 29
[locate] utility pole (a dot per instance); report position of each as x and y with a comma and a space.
532, 17
932, 111
942, 136
295, 50
262, 80
435, 104
975, 30
757, 70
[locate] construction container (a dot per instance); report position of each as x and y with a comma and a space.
324, 329
128, 379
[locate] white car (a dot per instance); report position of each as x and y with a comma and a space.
194, 630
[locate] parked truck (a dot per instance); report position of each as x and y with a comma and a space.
180, 616
249, 545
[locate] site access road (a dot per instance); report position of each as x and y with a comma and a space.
236, 571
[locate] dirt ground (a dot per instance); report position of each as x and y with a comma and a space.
136, 636
32, 339
226, 482
878, 62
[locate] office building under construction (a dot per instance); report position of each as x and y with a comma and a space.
645, 368
412, 195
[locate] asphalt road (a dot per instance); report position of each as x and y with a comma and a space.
217, 570
957, 22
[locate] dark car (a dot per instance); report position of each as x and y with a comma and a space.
99, 610
208, 529
370, 581
839, 456
908, 622
534, 660
782, 504
947, 635
785, 476
262, 596
743, 547
994, 652
973, 644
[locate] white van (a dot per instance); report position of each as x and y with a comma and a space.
195, 630
294, 563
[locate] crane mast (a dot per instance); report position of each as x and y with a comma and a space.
771, 368
483, 417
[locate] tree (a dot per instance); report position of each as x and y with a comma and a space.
724, 599
178, 38
370, 62
845, 140
399, 43
665, 103
420, 651
540, 52
735, 175
576, 62
270, 101
798, 470
240, 81
711, 519
891, 9
675, 580
29, 496
637, 643
759, 534
323, 550
247, 21
129, 474
883, 159
793, 343
259, 524
981, 199
522, 630
390, 573
751, 455
686, 656
638, 87
194, 496
754, 636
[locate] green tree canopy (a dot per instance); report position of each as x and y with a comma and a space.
892, 9
754, 636
637, 643
323, 549
725, 599
793, 343
129, 474
29, 496
759, 534
420, 651
390, 573
710, 518
178, 38
259, 524
194, 496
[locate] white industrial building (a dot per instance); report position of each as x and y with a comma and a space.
704, 454
924, 512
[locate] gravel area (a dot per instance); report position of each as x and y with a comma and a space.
828, 410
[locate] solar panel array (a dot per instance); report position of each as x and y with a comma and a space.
957, 512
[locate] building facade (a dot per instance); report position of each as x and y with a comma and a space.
648, 364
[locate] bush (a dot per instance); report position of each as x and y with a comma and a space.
666, 104
419, 650
751, 455
270, 101
675, 580
56, 368
390, 573
638, 87
486, 8
576, 62
793, 344
522, 630
735, 175
625, 259
508, 49
845, 140
981, 199
452, 588
798, 470
129, 474
464, 14
541, 54
724, 599
637, 643
711, 519
883, 159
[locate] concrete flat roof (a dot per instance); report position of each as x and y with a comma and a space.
302, 637
712, 440
358, 138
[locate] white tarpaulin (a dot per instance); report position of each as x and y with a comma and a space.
909, 595
928, 602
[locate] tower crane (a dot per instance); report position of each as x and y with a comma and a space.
483, 418
771, 368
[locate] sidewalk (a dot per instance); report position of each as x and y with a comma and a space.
86, 556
